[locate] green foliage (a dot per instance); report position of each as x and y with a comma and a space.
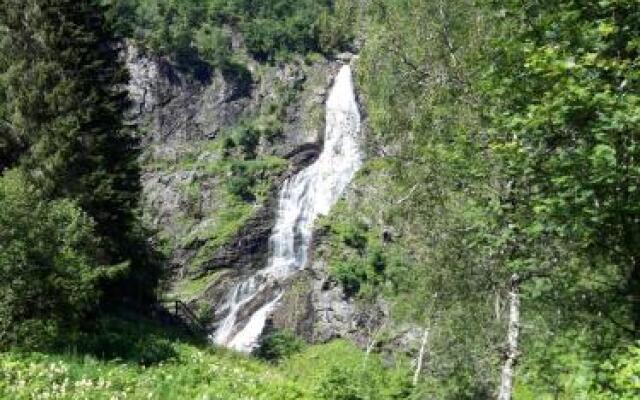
281, 25
561, 366
247, 138
339, 384
567, 368
299, 26
240, 184
356, 259
205, 313
348, 383
69, 124
49, 270
195, 30
213, 44
338, 370
279, 345
247, 182
188, 289
267, 126
623, 372
509, 134
570, 148
420, 282
127, 337
350, 277
200, 373
508, 139
234, 216
64, 85
335, 28
565, 135
352, 236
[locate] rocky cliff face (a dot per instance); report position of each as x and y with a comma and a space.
212, 238
207, 232
317, 307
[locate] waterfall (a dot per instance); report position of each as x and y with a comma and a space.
303, 197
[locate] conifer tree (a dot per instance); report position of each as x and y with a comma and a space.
64, 86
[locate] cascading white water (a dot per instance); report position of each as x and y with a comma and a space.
303, 197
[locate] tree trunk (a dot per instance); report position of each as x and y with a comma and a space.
371, 342
423, 346
634, 283
513, 331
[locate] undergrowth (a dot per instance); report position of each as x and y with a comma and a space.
333, 371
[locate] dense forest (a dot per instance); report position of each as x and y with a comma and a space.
497, 212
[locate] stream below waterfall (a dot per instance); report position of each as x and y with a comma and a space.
303, 197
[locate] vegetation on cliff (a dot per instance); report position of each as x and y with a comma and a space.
192, 31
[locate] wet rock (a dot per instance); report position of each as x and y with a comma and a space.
250, 246
317, 309
344, 57
388, 234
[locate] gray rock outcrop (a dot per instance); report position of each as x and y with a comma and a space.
182, 117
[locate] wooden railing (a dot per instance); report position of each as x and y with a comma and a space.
182, 311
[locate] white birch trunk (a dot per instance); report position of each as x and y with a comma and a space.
371, 343
513, 331
423, 346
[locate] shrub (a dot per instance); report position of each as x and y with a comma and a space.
353, 237
350, 277
377, 261
206, 313
338, 384
279, 345
339, 370
213, 44
150, 351
622, 376
49, 271
227, 146
134, 340
247, 138
240, 185
335, 27
282, 26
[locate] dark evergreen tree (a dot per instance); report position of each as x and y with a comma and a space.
65, 93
